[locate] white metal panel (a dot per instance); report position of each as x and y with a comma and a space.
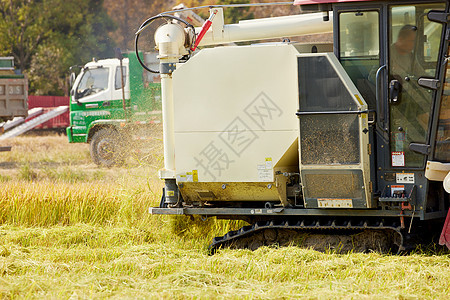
235, 112
215, 161
220, 84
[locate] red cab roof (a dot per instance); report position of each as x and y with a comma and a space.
304, 2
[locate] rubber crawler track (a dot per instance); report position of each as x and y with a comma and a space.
323, 225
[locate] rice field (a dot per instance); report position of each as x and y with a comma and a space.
72, 230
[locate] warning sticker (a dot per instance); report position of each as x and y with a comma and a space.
181, 178
188, 176
398, 159
265, 171
268, 163
397, 190
335, 203
404, 177
265, 175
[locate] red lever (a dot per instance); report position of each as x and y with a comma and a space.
205, 28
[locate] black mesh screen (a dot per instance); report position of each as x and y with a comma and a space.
343, 184
329, 139
320, 88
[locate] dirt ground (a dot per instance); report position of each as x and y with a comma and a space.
49, 155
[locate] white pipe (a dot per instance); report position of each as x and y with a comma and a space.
168, 127
170, 39
269, 28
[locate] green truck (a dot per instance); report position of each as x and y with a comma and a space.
113, 107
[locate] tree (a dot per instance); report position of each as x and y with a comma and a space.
21, 29
235, 14
129, 15
231, 14
46, 76
47, 36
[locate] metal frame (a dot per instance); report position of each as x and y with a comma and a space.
358, 112
292, 212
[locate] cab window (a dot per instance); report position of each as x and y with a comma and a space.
118, 81
359, 50
93, 81
414, 44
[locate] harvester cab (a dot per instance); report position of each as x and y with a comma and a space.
351, 135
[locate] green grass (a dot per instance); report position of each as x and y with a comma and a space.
69, 229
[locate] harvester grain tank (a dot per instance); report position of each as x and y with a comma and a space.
345, 137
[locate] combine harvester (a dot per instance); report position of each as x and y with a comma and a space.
350, 139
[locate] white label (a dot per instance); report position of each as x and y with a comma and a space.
189, 177
265, 175
96, 113
265, 171
181, 178
405, 177
268, 163
398, 159
185, 177
335, 203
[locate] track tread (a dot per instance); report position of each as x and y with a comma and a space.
316, 225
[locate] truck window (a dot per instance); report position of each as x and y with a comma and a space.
118, 81
93, 82
359, 50
413, 52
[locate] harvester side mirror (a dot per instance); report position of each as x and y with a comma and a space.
394, 91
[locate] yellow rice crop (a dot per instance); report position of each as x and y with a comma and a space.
71, 230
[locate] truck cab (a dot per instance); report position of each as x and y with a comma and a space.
100, 82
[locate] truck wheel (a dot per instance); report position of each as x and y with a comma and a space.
107, 148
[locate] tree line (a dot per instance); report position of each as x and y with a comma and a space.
46, 37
